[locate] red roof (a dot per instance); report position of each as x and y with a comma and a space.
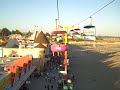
41, 38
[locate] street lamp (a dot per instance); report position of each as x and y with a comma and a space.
56, 23
90, 20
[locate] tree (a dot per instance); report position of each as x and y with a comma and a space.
16, 32
76, 33
47, 34
5, 32
13, 32
29, 33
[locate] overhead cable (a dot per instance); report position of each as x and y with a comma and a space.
95, 12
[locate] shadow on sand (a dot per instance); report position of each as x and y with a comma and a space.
94, 70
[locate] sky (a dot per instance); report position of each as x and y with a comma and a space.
25, 15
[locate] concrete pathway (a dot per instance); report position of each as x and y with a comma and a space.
41, 82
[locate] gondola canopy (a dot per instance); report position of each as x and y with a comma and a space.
58, 32
89, 26
71, 30
76, 29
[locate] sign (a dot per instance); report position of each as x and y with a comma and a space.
58, 48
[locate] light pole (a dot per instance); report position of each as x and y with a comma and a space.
78, 25
66, 52
90, 20
92, 25
56, 24
66, 34
36, 32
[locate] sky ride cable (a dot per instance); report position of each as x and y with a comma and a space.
95, 12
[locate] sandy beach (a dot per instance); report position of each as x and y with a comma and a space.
96, 66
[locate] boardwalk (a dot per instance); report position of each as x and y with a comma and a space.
47, 79
41, 82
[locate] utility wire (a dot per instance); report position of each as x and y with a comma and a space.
96, 12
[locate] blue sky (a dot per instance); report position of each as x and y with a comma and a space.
24, 15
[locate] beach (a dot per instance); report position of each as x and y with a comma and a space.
96, 67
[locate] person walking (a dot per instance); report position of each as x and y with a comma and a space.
48, 88
45, 87
51, 87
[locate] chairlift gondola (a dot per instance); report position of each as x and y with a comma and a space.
90, 32
56, 47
